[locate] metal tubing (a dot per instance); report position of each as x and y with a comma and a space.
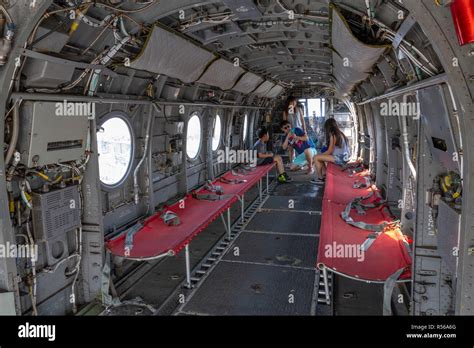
228, 222
260, 188
432, 81
242, 206
121, 100
188, 267
267, 182
326, 285
145, 154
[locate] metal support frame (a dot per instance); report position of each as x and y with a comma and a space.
188, 267
242, 207
326, 285
260, 188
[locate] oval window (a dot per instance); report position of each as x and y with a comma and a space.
244, 134
193, 137
114, 143
216, 136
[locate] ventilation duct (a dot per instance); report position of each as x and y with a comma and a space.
352, 59
222, 74
172, 55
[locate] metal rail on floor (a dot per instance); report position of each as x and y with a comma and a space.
185, 290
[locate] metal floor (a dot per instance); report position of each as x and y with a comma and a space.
269, 269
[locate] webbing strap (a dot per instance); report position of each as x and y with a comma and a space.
213, 188
238, 172
359, 184
388, 287
360, 224
129, 236
232, 181
170, 218
210, 196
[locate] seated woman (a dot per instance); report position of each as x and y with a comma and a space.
337, 150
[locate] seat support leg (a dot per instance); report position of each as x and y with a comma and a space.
188, 266
326, 285
228, 223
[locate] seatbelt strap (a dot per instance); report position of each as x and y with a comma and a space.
209, 186
232, 181
345, 214
170, 218
359, 184
239, 172
388, 287
210, 196
129, 236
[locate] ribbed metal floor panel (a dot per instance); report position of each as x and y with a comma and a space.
287, 250
285, 222
352, 297
301, 189
293, 203
249, 289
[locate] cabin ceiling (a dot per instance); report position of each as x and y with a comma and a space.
286, 41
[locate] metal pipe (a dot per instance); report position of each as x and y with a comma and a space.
145, 153
432, 81
326, 285
228, 223
15, 133
406, 145
188, 266
121, 100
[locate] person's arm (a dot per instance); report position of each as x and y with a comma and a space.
332, 145
285, 116
284, 146
264, 155
301, 134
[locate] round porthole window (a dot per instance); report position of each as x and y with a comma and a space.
193, 137
114, 143
216, 136
246, 124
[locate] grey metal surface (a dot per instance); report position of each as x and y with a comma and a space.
285, 222
295, 251
293, 203
353, 297
299, 189
56, 212
42, 127
250, 289
448, 235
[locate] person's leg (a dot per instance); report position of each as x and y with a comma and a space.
309, 153
279, 163
319, 161
291, 152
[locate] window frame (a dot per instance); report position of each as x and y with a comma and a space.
198, 153
124, 117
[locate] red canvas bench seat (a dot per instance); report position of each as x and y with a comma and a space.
156, 238
387, 260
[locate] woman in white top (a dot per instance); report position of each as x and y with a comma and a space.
295, 115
